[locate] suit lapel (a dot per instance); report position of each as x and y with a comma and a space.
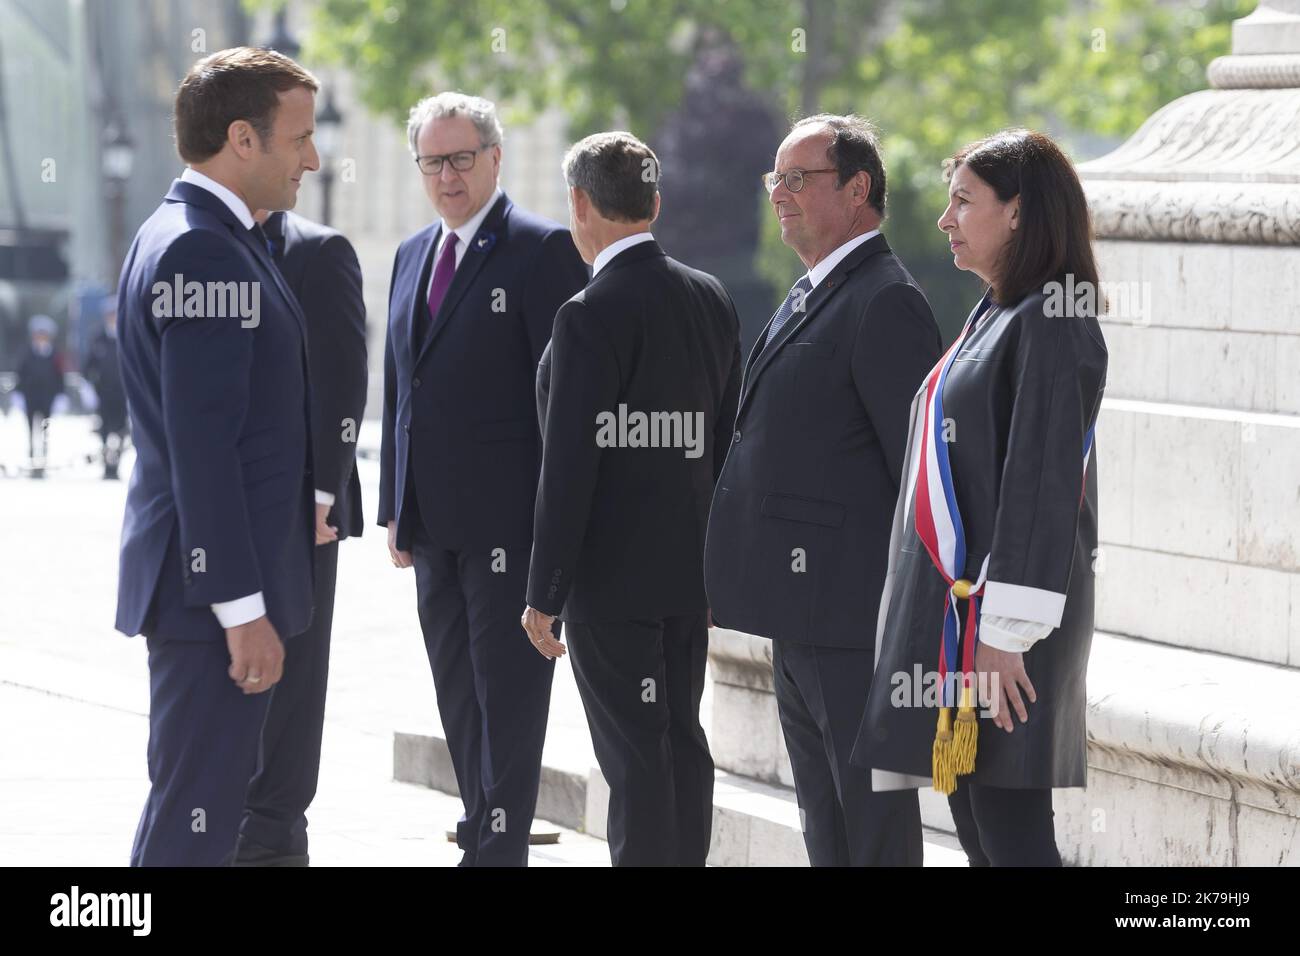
417, 314
263, 257
476, 255
193, 195
760, 358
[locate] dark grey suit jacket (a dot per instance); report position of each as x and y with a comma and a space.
799, 531
321, 268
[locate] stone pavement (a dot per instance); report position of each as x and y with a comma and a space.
74, 692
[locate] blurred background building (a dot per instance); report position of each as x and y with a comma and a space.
87, 152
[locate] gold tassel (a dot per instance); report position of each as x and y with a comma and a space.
963, 745
945, 780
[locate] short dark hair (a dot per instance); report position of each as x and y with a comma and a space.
854, 148
239, 83
1054, 238
618, 171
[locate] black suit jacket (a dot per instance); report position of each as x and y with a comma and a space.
619, 531
799, 531
459, 413
321, 268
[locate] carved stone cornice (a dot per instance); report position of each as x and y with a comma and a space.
1261, 72
1245, 213
1219, 165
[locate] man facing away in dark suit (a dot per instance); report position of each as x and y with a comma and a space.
799, 531
216, 559
470, 309
637, 392
321, 269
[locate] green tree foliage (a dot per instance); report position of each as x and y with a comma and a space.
933, 74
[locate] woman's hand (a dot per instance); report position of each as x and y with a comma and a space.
1000, 690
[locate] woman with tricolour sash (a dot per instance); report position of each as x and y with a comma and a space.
988, 598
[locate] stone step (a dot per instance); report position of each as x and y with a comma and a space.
1194, 757
1202, 285
754, 823
1254, 371
1194, 760
1199, 603
1204, 482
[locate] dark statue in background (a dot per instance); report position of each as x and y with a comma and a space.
713, 149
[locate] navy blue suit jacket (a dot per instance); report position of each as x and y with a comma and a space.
460, 411
220, 503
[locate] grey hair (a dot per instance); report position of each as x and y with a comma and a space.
618, 171
482, 113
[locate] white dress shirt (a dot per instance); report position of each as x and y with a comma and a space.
465, 233
820, 271
607, 254
224, 193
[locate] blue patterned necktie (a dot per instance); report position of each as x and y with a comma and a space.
794, 302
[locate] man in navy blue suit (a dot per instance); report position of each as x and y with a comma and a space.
471, 305
216, 558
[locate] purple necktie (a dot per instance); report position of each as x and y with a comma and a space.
442, 275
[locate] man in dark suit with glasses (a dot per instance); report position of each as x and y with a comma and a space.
799, 530
472, 300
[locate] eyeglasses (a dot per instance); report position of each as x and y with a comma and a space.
462, 161
793, 179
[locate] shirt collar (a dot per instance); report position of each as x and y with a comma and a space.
233, 202
820, 271
606, 255
466, 231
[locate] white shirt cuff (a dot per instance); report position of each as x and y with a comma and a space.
1022, 603
324, 498
240, 611
1011, 634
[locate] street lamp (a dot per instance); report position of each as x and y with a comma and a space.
117, 157
328, 124
282, 41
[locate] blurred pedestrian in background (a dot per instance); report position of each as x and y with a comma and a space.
40, 382
102, 372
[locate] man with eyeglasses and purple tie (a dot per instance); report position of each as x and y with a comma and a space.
471, 305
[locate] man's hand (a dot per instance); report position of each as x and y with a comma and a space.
401, 559
325, 533
1000, 691
538, 626
256, 656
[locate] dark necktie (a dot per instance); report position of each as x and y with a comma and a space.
274, 229
794, 302
259, 236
